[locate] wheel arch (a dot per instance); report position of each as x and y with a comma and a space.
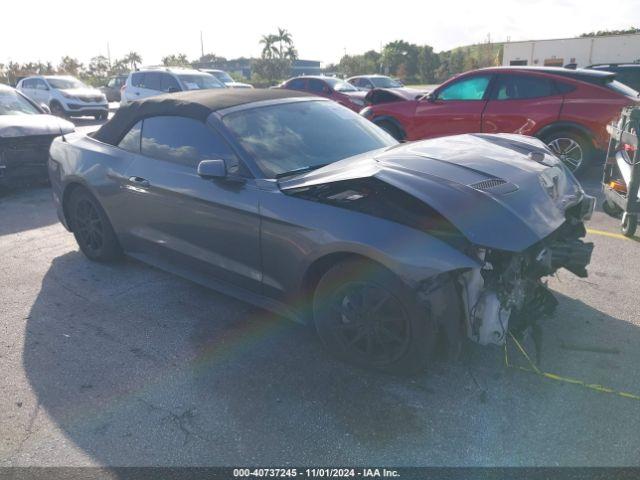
567, 126
393, 121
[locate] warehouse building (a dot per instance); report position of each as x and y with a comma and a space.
579, 52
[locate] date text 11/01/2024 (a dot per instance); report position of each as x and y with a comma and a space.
315, 473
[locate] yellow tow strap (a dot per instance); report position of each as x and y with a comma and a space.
534, 369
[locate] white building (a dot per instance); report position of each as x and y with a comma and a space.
583, 51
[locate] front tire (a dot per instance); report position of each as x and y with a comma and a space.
366, 315
57, 110
391, 129
573, 149
91, 227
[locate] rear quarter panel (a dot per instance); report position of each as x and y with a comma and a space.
594, 107
99, 167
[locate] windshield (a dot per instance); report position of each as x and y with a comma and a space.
385, 82
340, 85
12, 103
622, 88
223, 76
286, 137
200, 82
65, 83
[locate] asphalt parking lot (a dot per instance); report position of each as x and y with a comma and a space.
126, 365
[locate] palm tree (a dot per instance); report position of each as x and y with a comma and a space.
283, 38
291, 53
269, 48
133, 59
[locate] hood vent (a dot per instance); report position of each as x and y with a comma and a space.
495, 185
488, 184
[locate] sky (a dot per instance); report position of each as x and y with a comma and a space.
321, 30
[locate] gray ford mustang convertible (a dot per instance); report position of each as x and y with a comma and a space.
299, 205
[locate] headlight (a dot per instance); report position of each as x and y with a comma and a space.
68, 95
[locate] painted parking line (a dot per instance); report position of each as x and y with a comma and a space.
607, 234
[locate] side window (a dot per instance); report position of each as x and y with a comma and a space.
40, 85
137, 79
564, 88
169, 83
185, 141
315, 86
517, 87
296, 84
27, 83
152, 80
131, 141
470, 88
111, 83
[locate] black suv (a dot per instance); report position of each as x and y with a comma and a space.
627, 73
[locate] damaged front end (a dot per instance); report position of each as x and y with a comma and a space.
508, 294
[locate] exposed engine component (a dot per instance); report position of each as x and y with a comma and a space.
507, 292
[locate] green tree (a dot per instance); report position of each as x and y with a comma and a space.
176, 60
99, 67
397, 53
70, 66
269, 49
133, 59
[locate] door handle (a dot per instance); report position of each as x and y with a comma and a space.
143, 182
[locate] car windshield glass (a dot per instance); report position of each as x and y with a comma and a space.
223, 76
65, 83
199, 82
283, 138
385, 82
622, 88
12, 103
340, 85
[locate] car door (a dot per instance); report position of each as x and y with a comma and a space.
206, 228
318, 87
454, 108
521, 103
28, 88
41, 91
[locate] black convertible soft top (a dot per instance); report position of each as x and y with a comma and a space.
196, 104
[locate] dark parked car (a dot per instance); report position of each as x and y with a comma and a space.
627, 73
296, 204
567, 109
333, 88
26, 132
113, 86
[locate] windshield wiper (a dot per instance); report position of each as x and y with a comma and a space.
308, 168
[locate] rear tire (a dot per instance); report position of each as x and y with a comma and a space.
573, 149
366, 315
91, 227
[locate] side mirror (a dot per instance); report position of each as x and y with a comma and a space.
45, 108
429, 97
326, 90
173, 89
212, 169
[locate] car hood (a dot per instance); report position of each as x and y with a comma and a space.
359, 94
501, 191
238, 85
12, 126
82, 91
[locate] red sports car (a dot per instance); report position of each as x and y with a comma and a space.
342, 92
567, 109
